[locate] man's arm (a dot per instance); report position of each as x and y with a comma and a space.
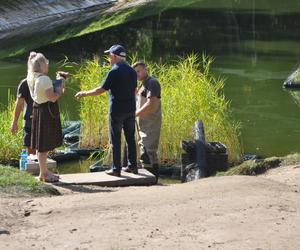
17, 111
148, 107
92, 92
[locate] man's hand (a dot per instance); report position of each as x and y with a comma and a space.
80, 94
14, 128
92, 92
148, 107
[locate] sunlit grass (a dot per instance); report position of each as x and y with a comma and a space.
93, 111
189, 93
256, 167
10, 145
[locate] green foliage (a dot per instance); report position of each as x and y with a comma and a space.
189, 93
93, 111
10, 145
17, 183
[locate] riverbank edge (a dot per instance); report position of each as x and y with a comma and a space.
15, 183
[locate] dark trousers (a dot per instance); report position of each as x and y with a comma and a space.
117, 122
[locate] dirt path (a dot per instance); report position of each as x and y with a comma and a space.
238, 212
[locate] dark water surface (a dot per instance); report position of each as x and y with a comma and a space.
254, 51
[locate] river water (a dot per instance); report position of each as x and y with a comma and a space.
254, 51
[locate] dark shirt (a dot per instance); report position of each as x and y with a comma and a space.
23, 92
151, 88
121, 82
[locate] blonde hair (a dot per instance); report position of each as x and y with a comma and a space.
36, 61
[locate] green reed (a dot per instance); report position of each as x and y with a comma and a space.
10, 145
93, 111
189, 93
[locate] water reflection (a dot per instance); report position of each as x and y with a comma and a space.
295, 94
81, 166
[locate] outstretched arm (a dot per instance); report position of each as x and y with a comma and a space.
92, 92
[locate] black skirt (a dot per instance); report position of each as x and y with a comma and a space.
46, 133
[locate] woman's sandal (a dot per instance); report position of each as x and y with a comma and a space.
50, 179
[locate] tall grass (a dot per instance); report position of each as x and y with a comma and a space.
189, 93
10, 145
93, 111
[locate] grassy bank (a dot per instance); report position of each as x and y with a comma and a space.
16, 183
189, 93
259, 166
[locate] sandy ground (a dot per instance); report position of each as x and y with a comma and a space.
238, 212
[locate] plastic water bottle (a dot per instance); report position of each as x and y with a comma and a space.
23, 160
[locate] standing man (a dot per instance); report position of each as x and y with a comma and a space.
121, 82
23, 102
148, 115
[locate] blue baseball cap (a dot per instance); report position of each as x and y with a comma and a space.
117, 50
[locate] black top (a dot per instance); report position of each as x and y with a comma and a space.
23, 92
121, 82
152, 88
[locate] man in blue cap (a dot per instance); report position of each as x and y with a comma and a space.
121, 82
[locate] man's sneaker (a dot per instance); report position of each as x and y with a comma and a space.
130, 170
113, 173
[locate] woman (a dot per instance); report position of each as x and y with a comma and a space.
46, 126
